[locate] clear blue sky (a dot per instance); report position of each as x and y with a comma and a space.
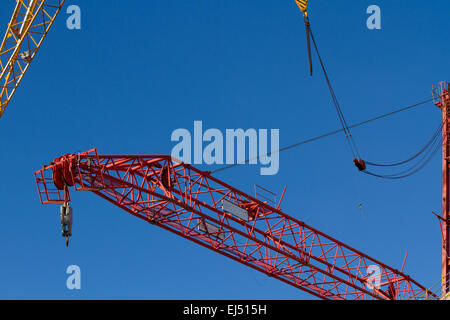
140, 69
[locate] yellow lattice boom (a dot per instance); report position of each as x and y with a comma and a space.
29, 25
303, 5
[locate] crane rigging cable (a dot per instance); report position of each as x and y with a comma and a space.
428, 151
328, 134
427, 154
421, 151
408, 172
345, 127
303, 5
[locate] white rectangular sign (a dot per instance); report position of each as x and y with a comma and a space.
229, 207
210, 229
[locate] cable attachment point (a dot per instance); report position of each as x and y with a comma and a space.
360, 164
308, 43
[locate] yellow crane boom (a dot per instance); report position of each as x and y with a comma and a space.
29, 25
303, 5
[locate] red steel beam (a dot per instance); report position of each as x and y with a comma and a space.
188, 202
444, 104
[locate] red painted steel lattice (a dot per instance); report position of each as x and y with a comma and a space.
442, 100
188, 202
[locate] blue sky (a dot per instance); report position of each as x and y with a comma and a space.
137, 70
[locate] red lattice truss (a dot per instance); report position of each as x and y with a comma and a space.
188, 202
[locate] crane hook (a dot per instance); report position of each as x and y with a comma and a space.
66, 222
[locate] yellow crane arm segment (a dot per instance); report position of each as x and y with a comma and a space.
29, 25
303, 5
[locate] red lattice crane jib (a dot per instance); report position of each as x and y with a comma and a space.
198, 207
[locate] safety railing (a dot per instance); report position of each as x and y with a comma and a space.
436, 291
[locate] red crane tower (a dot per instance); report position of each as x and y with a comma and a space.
442, 100
198, 207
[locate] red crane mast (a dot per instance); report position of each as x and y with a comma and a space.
442, 100
197, 206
